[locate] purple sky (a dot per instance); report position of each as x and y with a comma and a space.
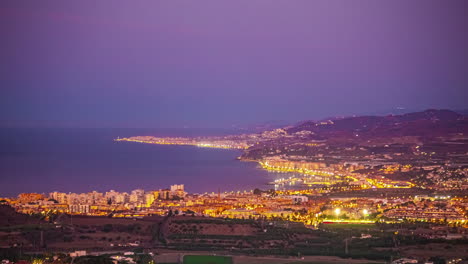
216, 63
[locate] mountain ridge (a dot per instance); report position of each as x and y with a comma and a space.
428, 123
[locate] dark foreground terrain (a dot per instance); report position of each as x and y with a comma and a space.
23, 234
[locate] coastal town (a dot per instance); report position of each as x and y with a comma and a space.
234, 132
377, 181
391, 206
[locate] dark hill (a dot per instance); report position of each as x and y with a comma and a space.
9, 217
428, 124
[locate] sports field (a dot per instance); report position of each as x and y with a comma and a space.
200, 259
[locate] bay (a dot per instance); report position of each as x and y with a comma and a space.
85, 159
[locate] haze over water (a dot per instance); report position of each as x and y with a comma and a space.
83, 160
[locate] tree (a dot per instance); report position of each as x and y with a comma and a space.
93, 260
257, 191
143, 259
437, 260
107, 228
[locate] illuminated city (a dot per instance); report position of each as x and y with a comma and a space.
234, 132
364, 187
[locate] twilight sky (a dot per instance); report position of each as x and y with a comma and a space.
217, 63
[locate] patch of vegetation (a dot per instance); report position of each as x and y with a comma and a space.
107, 228
200, 259
93, 260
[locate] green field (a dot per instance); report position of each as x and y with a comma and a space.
348, 226
200, 259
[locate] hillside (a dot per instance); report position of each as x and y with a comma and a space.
9, 217
428, 124
428, 137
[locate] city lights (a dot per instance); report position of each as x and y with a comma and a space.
337, 211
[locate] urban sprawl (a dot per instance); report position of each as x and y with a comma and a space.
407, 173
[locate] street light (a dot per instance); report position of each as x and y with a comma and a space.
337, 211
365, 212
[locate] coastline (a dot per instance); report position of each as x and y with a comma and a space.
183, 142
326, 176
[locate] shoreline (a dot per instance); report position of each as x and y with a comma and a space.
186, 143
331, 176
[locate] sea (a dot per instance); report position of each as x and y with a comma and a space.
44, 160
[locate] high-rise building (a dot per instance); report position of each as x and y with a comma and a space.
122, 198
164, 194
156, 195
177, 187
111, 195
59, 197
137, 196
149, 199
177, 190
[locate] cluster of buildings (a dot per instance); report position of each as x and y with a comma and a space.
221, 142
442, 209
317, 174
311, 209
94, 202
